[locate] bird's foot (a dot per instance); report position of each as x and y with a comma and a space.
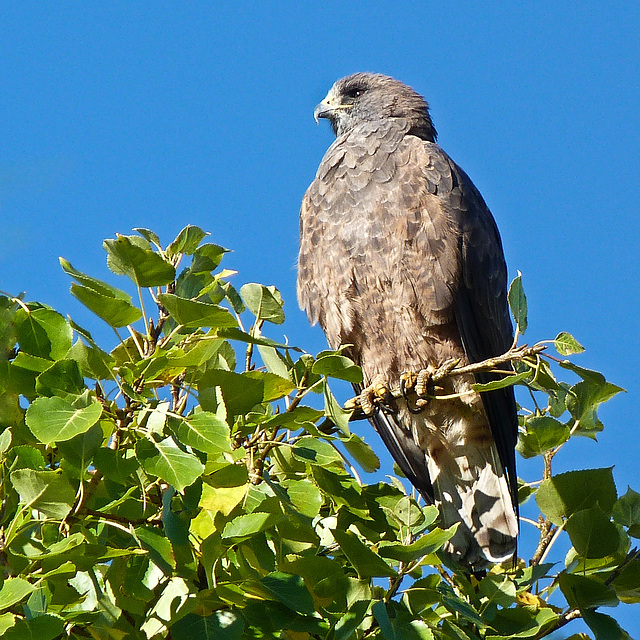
421, 384
375, 395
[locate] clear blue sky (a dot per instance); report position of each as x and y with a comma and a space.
158, 115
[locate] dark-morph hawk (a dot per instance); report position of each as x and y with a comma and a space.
401, 259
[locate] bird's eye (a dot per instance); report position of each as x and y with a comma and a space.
354, 92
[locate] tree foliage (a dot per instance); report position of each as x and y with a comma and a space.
200, 480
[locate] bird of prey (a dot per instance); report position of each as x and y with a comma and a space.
401, 263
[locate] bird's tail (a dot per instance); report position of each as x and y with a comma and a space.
472, 490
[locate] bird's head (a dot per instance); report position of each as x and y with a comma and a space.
366, 97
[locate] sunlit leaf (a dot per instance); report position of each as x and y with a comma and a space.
168, 461
566, 344
187, 241
264, 302
518, 303
55, 419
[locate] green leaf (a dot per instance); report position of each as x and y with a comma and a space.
305, 496
627, 583
80, 450
116, 312
541, 434
454, 603
193, 313
424, 545
583, 401
170, 463
592, 533
44, 333
351, 620
566, 344
128, 255
116, 465
159, 547
604, 627
505, 381
47, 491
42, 627
518, 303
585, 593
220, 625
335, 413
247, 525
61, 378
187, 241
563, 495
290, 590
275, 362
13, 591
235, 334
367, 563
54, 419
362, 453
264, 302
93, 361
207, 257
148, 235
314, 451
337, 366
626, 511
206, 432
99, 286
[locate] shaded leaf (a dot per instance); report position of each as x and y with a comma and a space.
564, 494
367, 563
592, 533
47, 491
207, 257
362, 453
127, 255
116, 312
290, 590
626, 511
220, 625
42, 627
604, 627
541, 434
193, 313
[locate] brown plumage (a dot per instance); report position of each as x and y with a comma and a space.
401, 258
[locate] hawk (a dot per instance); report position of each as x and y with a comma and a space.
401, 263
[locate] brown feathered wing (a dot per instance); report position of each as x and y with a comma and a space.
401, 258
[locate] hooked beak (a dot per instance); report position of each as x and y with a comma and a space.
323, 110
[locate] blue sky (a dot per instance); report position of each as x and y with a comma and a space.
158, 115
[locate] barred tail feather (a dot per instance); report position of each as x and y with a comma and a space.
473, 492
